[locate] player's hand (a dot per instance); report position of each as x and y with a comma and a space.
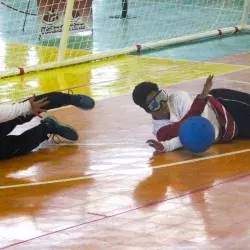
36, 106
156, 145
207, 87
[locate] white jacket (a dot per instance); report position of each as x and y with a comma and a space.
11, 111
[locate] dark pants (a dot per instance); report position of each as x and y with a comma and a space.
16, 145
238, 105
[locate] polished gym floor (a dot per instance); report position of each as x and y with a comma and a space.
108, 190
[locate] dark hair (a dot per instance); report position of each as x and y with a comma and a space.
141, 92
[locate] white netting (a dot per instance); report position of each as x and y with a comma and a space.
163, 19
30, 30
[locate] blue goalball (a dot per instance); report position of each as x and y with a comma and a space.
197, 134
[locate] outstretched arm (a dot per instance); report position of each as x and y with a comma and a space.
11, 111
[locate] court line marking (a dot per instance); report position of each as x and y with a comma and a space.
86, 177
106, 173
102, 144
203, 158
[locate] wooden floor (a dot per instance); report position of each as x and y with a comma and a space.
109, 191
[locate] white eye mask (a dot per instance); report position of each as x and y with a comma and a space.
158, 101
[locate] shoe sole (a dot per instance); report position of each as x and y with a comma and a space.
66, 131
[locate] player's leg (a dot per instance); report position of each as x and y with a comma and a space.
238, 105
58, 99
232, 95
7, 127
16, 145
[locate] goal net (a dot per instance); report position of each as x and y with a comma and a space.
43, 34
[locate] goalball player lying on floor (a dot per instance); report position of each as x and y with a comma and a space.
228, 111
17, 114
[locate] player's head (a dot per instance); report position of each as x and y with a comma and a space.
153, 100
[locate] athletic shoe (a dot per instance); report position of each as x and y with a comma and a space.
56, 128
82, 101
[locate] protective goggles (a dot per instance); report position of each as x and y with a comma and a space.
156, 103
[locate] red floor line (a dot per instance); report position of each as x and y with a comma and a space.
103, 215
130, 210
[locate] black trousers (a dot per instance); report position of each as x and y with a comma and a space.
238, 105
16, 145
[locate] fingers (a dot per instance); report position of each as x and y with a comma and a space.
151, 144
210, 83
150, 141
32, 99
43, 104
154, 144
207, 87
42, 100
210, 78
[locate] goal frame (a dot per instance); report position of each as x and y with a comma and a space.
62, 62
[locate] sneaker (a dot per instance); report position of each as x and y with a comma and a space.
56, 128
82, 101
